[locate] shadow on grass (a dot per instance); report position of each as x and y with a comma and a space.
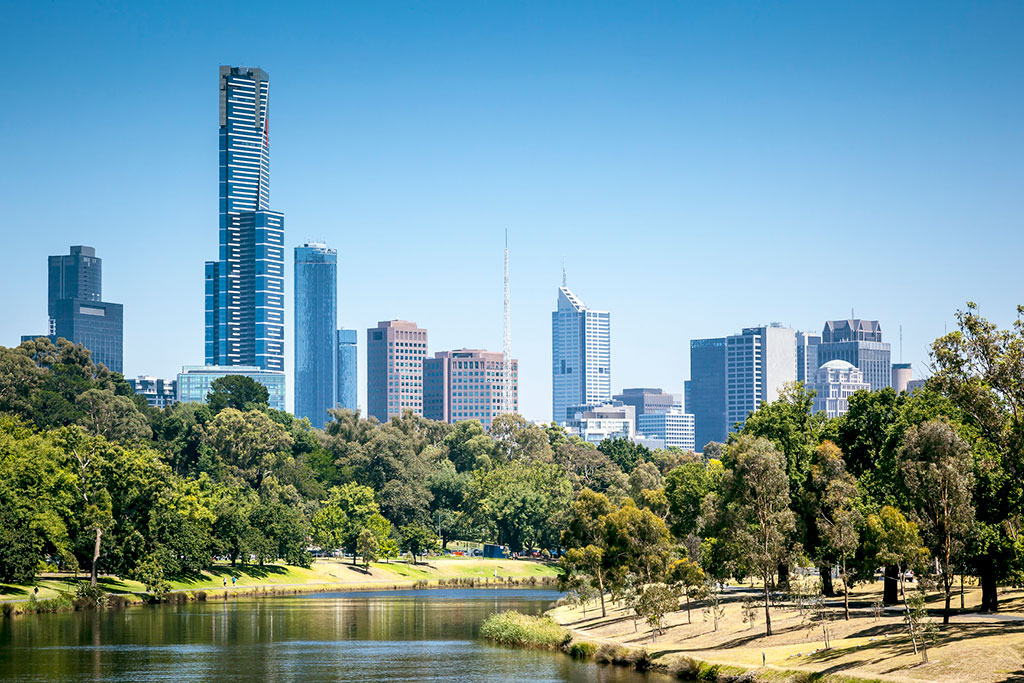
252, 571
11, 589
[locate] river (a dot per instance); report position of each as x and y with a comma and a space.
429, 635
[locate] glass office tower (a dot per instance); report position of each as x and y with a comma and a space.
245, 286
581, 371
76, 311
348, 369
316, 331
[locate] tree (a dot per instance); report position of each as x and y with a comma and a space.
585, 538
936, 470
328, 526
792, 425
417, 540
519, 504
116, 418
20, 552
367, 547
654, 602
981, 369
239, 392
625, 453
517, 440
687, 577
247, 443
894, 540
636, 541
387, 547
838, 517
686, 487
469, 446
757, 517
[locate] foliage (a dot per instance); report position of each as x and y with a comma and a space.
417, 540
520, 630
237, 392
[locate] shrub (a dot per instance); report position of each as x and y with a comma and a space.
582, 650
640, 660
88, 596
521, 630
613, 654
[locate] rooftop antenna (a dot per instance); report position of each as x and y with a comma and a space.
507, 403
563, 271
901, 343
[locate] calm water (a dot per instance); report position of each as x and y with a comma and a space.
371, 636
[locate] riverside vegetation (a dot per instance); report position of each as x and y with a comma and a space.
92, 479
924, 491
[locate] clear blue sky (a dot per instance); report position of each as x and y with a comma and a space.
701, 166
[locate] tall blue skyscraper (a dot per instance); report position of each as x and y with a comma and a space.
316, 330
245, 286
348, 369
705, 391
76, 310
581, 357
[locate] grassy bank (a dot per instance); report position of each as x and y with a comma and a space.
870, 647
521, 630
56, 591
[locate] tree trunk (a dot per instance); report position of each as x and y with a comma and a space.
600, 590
825, 572
689, 620
783, 574
95, 558
767, 614
945, 613
889, 586
961, 590
989, 595
846, 592
910, 621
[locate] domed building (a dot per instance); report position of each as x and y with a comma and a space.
835, 382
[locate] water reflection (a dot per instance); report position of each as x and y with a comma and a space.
372, 636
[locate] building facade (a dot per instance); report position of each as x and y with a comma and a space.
466, 384
645, 400
858, 342
759, 362
76, 311
348, 370
674, 427
705, 391
581, 367
395, 351
807, 356
902, 375
194, 382
159, 393
834, 382
594, 424
245, 286
316, 332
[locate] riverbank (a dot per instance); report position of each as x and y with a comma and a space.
56, 591
869, 647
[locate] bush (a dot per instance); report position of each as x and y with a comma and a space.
88, 596
582, 650
521, 630
641, 660
613, 654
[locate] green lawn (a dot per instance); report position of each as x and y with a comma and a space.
323, 572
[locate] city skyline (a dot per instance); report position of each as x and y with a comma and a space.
884, 171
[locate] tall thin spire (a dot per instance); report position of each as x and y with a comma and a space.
508, 405
563, 271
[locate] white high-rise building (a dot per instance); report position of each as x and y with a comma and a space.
581, 356
758, 363
673, 426
835, 382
